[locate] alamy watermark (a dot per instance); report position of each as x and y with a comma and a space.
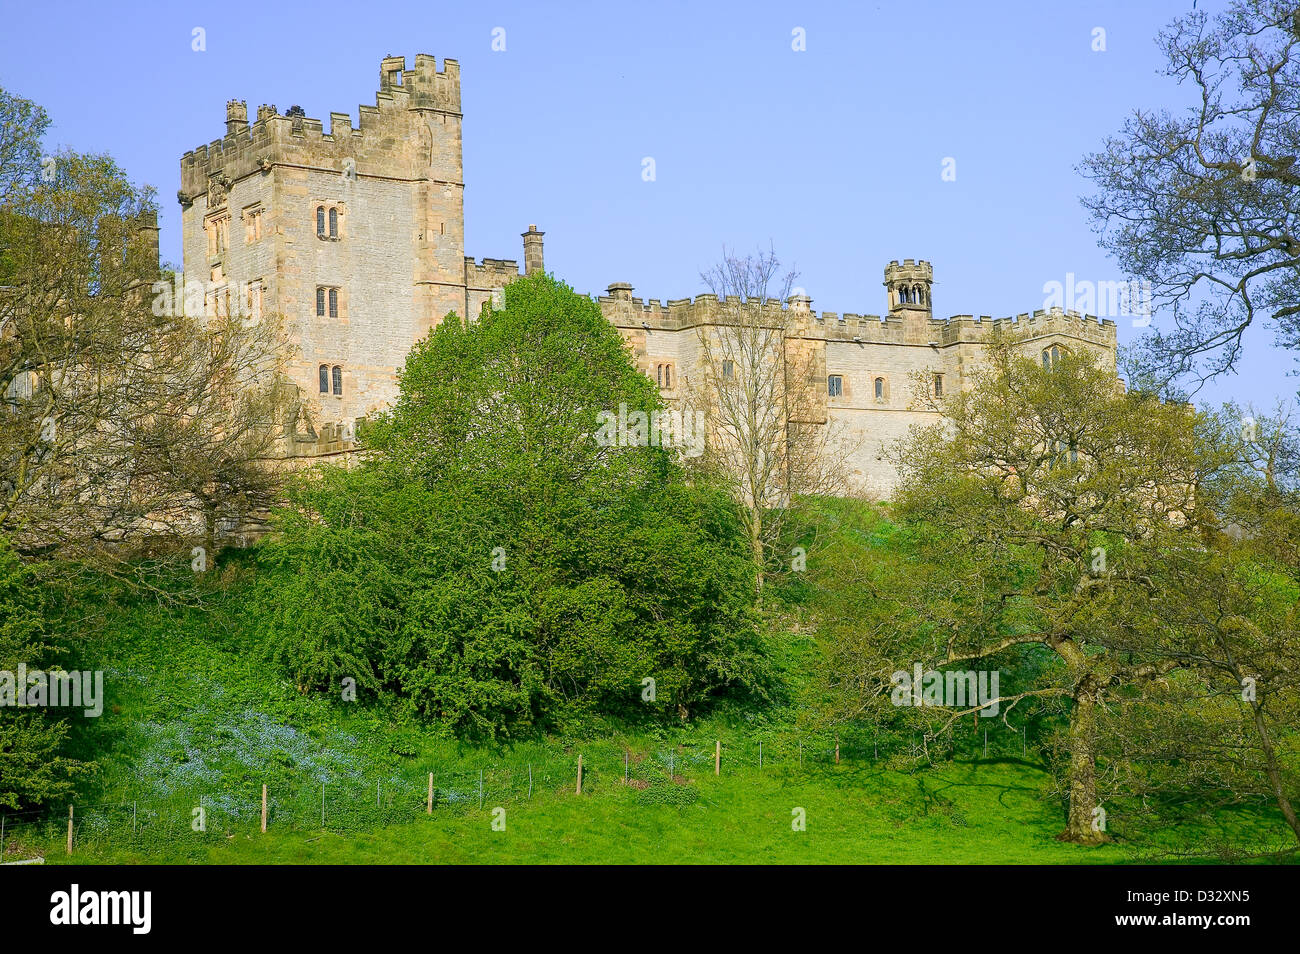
957, 689
37, 689
1105, 299
684, 429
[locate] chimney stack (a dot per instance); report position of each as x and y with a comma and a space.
532, 250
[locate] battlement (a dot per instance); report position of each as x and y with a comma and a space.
298, 139
626, 311
491, 272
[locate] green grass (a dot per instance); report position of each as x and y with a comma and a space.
196, 716
962, 814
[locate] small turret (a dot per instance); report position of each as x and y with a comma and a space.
908, 286
236, 116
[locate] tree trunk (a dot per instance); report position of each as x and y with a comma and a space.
1083, 770
1274, 776
760, 555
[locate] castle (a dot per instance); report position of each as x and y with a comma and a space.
357, 237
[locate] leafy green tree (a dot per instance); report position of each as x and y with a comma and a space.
34, 767
1061, 530
496, 563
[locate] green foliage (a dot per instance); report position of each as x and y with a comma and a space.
497, 568
34, 766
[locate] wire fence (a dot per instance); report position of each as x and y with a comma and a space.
661, 775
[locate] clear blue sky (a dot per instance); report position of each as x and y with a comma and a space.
832, 154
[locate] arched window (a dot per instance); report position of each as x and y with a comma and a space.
320, 220
902, 294
334, 302
916, 295
324, 379
880, 389
320, 302
668, 375
338, 380
1052, 356
334, 223
659, 375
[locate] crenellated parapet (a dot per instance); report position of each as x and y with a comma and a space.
626, 311
397, 119
491, 272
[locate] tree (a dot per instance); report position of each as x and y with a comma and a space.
126, 419
1058, 523
34, 768
770, 439
503, 562
1204, 202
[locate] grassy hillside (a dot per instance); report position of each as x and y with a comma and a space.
197, 717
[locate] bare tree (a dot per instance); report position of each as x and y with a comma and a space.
124, 419
763, 391
1204, 201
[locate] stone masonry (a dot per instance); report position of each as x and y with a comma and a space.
356, 236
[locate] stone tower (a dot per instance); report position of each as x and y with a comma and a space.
354, 236
908, 287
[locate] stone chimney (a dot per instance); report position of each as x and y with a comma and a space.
619, 291
532, 250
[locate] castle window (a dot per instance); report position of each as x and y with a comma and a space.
1051, 356
334, 223
880, 389
218, 229
664, 375
338, 381
324, 379
320, 221
728, 369
395, 77
327, 301
252, 224
254, 302
938, 385
835, 385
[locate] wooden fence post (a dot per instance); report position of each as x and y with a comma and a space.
579, 774
69, 829
837, 750
717, 757
264, 809
429, 809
